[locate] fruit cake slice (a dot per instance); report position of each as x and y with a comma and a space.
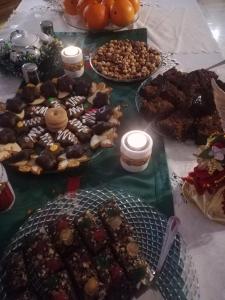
92, 231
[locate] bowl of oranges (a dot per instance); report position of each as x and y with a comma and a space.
100, 15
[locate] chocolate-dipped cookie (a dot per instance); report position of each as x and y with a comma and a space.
48, 89
89, 118
7, 135
100, 100
76, 111
104, 113
81, 87
36, 110
65, 84
66, 138
46, 140
20, 156
74, 101
36, 121
74, 151
8, 119
83, 132
46, 160
100, 127
15, 105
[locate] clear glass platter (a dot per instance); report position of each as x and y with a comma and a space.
78, 23
177, 280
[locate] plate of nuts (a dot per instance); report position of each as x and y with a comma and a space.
125, 60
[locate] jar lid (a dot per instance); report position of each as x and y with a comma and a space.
136, 144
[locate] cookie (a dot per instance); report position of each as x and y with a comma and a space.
89, 118
56, 119
8, 119
36, 121
48, 89
83, 132
46, 160
66, 138
46, 140
74, 101
15, 105
7, 135
74, 151
76, 111
37, 110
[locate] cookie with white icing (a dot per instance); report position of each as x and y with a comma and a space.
66, 138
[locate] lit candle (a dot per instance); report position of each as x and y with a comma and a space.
136, 150
73, 63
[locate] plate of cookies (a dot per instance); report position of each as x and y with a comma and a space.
102, 244
125, 60
57, 125
180, 105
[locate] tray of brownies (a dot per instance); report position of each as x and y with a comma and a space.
102, 244
57, 125
180, 105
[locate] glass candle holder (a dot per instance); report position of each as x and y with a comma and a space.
73, 62
135, 151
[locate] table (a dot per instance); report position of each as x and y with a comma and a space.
176, 26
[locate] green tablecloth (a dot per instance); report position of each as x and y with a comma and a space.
152, 185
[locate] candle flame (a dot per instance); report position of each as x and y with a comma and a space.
137, 140
71, 51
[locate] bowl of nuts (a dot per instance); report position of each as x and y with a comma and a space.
125, 60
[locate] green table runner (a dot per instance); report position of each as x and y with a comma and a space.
152, 185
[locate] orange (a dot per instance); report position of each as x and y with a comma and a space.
108, 3
136, 5
81, 5
122, 13
70, 6
96, 15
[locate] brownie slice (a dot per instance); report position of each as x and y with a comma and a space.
176, 126
64, 236
113, 276
114, 221
92, 231
174, 95
41, 258
85, 276
156, 109
16, 279
135, 265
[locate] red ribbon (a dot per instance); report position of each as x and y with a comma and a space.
73, 184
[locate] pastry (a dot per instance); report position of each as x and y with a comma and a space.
48, 89
46, 160
66, 138
205, 184
7, 135
74, 101
82, 87
56, 119
89, 118
92, 231
74, 151
29, 93
15, 105
75, 112
83, 132
115, 221
64, 235
8, 119
36, 111
65, 86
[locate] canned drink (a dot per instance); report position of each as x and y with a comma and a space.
47, 27
30, 73
7, 196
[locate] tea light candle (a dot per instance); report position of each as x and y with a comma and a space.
73, 62
135, 150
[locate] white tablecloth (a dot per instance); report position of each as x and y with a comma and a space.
176, 26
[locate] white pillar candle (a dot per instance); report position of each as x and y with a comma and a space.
135, 150
73, 62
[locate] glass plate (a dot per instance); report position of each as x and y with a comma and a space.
122, 80
177, 279
78, 23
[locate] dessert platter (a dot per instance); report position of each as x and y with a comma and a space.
180, 105
57, 125
125, 60
102, 244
